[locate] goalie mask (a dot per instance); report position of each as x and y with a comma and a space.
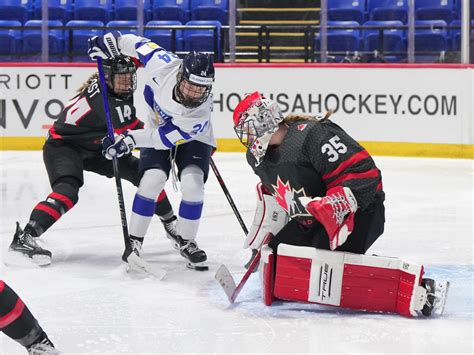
121, 76
256, 118
194, 80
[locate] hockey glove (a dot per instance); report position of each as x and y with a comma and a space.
105, 46
269, 217
123, 145
335, 212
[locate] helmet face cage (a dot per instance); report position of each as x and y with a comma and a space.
121, 76
194, 79
257, 124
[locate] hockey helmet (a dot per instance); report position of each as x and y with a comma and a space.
256, 118
194, 80
121, 76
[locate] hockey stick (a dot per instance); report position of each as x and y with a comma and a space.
133, 260
225, 279
232, 205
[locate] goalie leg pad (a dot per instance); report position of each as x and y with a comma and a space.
347, 280
267, 274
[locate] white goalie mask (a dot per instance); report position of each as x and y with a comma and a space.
256, 118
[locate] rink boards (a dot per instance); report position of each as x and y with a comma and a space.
399, 110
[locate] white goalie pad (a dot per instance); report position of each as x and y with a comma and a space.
269, 217
347, 280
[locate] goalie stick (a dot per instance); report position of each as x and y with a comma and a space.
134, 261
226, 280
233, 206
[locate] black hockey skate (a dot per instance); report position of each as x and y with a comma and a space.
43, 347
170, 229
25, 244
436, 295
196, 257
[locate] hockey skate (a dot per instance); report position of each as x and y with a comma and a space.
135, 262
170, 229
196, 257
25, 244
44, 347
436, 295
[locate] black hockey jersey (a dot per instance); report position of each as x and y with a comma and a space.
314, 157
83, 122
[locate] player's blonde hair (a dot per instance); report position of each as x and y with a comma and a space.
301, 117
85, 84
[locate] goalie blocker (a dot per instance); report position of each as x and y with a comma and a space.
346, 280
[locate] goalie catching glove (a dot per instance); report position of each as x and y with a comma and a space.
269, 217
123, 145
335, 212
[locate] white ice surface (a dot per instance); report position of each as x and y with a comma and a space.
89, 305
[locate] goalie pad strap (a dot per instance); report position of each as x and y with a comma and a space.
348, 280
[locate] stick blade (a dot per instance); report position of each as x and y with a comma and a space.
139, 264
225, 279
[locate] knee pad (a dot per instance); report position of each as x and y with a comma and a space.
151, 183
192, 184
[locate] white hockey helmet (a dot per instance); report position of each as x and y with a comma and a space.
256, 118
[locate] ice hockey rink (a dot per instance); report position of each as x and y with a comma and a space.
88, 304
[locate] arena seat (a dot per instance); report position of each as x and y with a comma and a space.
14, 10
57, 9
32, 40
76, 39
127, 10
9, 40
112, 26
432, 39
393, 39
202, 40
346, 10
455, 35
434, 10
388, 10
93, 10
175, 10
216, 10
164, 37
343, 40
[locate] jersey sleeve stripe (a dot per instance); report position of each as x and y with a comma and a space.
127, 127
363, 154
148, 95
372, 173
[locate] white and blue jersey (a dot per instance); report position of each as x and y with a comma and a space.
169, 122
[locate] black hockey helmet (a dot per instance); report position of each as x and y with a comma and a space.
121, 76
194, 80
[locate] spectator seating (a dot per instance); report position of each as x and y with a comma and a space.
434, 10
76, 40
57, 9
32, 40
388, 10
93, 10
458, 8
455, 35
127, 10
115, 26
202, 39
176, 10
343, 40
164, 37
14, 10
393, 39
432, 39
210, 10
9, 40
346, 10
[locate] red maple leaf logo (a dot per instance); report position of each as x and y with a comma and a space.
280, 193
300, 127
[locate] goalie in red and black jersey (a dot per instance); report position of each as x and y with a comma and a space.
74, 145
320, 207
